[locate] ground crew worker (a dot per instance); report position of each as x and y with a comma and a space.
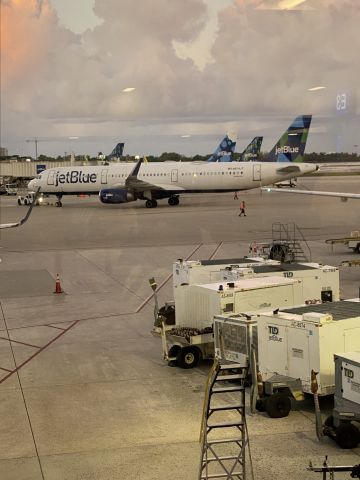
242, 208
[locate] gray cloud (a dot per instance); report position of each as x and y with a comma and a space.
263, 62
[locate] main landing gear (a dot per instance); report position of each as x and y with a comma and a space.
174, 200
58, 202
151, 203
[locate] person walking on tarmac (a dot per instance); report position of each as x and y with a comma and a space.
235, 196
242, 208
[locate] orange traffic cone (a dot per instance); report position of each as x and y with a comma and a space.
58, 285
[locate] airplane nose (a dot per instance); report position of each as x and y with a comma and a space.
31, 185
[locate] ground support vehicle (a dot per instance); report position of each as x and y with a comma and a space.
320, 282
196, 306
344, 424
294, 342
11, 188
28, 198
292, 182
352, 241
192, 272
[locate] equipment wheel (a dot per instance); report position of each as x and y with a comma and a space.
261, 404
173, 201
277, 252
19, 203
173, 352
25, 202
347, 435
278, 405
329, 422
188, 357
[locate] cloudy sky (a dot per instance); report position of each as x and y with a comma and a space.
198, 68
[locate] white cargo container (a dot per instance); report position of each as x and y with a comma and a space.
320, 282
196, 305
192, 272
295, 341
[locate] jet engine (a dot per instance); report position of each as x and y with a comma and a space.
116, 195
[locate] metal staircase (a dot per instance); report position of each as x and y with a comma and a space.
289, 244
223, 436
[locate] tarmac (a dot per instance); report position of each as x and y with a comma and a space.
84, 391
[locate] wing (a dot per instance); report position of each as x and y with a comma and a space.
343, 196
23, 220
134, 183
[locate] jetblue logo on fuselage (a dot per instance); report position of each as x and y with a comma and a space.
76, 176
287, 149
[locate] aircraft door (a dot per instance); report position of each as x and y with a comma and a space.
174, 175
104, 174
256, 172
50, 178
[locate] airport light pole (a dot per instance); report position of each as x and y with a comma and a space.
35, 140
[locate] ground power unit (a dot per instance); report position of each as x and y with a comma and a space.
344, 424
196, 305
191, 337
320, 282
294, 342
192, 272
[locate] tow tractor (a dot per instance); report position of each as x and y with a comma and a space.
28, 198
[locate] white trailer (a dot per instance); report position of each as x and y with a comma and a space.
191, 338
320, 282
293, 342
192, 272
344, 424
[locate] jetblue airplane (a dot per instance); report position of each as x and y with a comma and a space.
122, 182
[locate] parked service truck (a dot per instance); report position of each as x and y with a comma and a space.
352, 241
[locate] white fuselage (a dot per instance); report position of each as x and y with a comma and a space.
178, 177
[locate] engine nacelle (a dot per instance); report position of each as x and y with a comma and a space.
116, 195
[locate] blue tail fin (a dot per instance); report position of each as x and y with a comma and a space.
291, 146
252, 151
225, 150
118, 151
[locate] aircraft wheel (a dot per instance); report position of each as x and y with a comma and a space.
173, 201
154, 203
151, 204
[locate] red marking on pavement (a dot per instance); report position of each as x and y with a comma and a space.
52, 326
41, 349
5, 369
215, 251
21, 343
